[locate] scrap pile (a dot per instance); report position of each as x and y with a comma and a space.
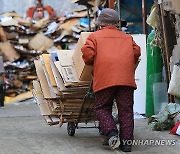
63, 82
22, 41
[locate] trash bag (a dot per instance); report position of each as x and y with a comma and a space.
165, 119
174, 85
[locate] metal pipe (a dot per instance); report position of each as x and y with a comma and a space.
119, 12
89, 20
144, 16
166, 48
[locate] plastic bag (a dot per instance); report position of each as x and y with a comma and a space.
174, 85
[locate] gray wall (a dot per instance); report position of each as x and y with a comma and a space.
21, 6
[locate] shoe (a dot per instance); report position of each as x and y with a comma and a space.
106, 142
112, 140
125, 148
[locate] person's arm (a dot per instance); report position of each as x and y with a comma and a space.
137, 54
88, 50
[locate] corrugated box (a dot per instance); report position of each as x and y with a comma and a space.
176, 6
172, 5
83, 71
47, 92
40, 42
46, 59
42, 103
66, 65
2, 35
9, 52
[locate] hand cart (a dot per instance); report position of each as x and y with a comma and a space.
86, 114
72, 111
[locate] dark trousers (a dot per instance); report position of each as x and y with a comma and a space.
124, 97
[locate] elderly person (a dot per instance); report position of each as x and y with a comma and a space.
114, 56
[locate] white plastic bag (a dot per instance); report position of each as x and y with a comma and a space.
174, 85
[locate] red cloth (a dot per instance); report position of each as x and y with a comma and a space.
175, 129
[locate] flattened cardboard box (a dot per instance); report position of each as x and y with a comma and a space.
83, 71
40, 42
42, 103
172, 5
46, 59
3, 36
57, 76
9, 52
43, 81
50, 86
66, 65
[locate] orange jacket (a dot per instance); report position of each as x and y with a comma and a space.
114, 55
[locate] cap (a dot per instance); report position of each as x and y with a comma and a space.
107, 17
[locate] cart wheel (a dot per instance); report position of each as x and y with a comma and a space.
71, 128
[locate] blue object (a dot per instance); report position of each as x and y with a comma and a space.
84, 22
131, 11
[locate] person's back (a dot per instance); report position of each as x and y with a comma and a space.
113, 55
114, 58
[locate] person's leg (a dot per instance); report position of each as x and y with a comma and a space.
103, 110
125, 102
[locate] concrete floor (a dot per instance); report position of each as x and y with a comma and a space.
24, 131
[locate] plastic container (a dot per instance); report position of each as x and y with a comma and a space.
154, 71
160, 96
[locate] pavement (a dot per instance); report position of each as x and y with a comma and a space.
24, 131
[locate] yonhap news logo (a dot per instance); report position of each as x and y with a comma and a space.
150, 142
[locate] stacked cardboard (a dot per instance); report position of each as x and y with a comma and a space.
59, 91
22, 41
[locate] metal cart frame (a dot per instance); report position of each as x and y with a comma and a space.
72, 126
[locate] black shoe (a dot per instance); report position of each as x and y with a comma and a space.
125, 148
106, 142
112, 140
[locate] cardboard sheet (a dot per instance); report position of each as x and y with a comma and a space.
43, 81
10, 53
57, 76
20, 97
46, 59
83, 71
50, 86
42, 103
40, 42
3, 36
66, 66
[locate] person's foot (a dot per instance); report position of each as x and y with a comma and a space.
125, 147
112, 140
